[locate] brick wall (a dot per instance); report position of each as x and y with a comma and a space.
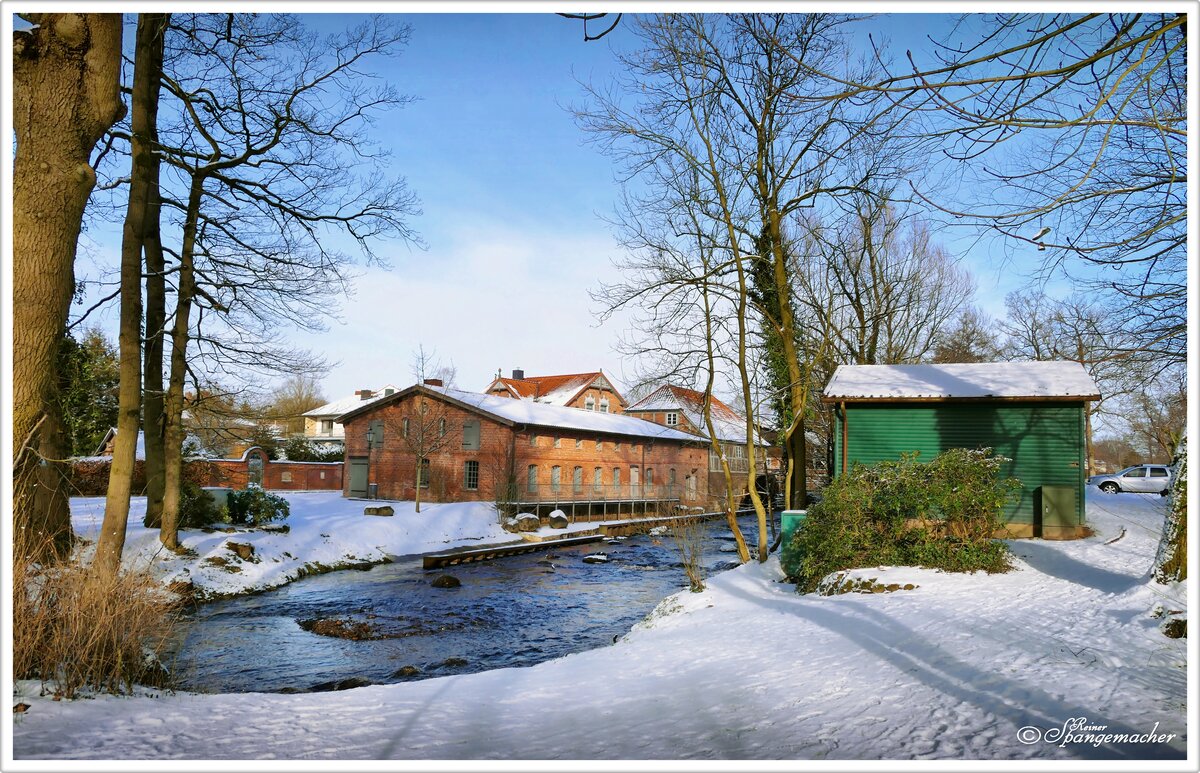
276, 475
393, 464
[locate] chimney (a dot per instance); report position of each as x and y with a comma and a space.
518, 375
433, 382
365, 394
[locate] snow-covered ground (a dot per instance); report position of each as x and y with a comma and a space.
325, 530
963, 667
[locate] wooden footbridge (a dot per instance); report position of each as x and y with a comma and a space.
530, 543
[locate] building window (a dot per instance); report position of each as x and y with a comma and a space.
286, 476
671, 477
689, 483
533, 440
577, 479
558, 442
649, 476
603, 405
326, 426
471, 435
441, 427
735, 455
617, 477
578, 443
590, 403
616, 445
599, 445
471, 475
672, 419
423, 478
598, 478
555, 477
322, 475
634, 476
404, 427
531, 484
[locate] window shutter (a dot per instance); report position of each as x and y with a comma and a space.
470, 435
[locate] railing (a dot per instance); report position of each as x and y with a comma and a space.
610, 492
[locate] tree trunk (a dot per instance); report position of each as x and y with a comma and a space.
120, 477
66, 88
173, 403
156, 315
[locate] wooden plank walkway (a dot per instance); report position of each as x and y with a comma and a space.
531, 543
488, 552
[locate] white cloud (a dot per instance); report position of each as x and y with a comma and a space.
490, 298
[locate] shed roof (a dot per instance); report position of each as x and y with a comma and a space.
962, 381
537, 414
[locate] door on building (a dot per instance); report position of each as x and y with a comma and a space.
358, 476
254, 469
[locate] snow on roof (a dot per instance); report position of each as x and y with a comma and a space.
553, 390
553, 416
1052, 380
347, 404
728, 424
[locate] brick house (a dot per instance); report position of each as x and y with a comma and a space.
683, 409
586, 391
320, 424
484, 446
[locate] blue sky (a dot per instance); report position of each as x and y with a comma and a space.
513, 200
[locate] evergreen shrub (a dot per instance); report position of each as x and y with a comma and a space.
255, 506
941, 514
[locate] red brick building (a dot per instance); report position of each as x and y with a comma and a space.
487, 447
683, 409
586, 391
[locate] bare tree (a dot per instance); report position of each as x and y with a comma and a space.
143, 183
267, 161
424, 425
66, 94
288, 403
971, 336
1068, 133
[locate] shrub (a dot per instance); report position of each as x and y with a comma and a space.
255, 506
74, 630
941, 515
196, 507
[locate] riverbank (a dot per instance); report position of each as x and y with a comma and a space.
325, 531
960, 667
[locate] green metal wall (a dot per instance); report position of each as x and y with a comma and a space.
1044, 440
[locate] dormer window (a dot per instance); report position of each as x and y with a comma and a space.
672, 419
603, 405
590, 403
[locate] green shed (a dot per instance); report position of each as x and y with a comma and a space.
1033, 413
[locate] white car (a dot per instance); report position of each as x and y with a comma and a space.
1144, 478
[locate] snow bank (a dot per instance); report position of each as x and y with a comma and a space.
325, 530
963, 667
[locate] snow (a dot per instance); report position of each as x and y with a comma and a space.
747, 669
323, 528
974, 380
553, 416
347, 404
728, 425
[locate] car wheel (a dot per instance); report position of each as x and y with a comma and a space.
1108, 487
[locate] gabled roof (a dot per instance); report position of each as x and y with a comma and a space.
511, 412
346, 404
962, 381
729, 425
554, 390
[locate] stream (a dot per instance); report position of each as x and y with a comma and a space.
514, 611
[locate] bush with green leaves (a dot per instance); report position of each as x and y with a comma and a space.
196, 507
255, 506
942, 514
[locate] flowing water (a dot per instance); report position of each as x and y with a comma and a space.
514, 611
